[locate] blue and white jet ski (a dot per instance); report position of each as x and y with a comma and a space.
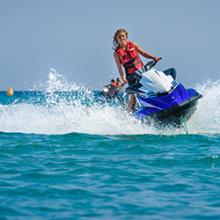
161, 98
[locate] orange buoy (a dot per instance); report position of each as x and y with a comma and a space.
10, 91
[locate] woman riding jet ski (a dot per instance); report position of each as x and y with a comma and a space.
159, 95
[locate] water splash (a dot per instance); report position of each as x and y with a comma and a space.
57, 82
207, 116
64, 107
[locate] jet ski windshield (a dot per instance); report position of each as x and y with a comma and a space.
154, 82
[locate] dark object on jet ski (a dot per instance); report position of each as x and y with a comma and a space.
162, 98
111, 92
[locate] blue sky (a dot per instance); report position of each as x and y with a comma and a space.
75, 38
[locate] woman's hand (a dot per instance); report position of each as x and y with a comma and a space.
124, 80
157, 59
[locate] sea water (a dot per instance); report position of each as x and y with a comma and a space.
65, 153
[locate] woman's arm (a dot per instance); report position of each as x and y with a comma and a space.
120, 70
145, 54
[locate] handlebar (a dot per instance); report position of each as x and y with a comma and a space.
151, 64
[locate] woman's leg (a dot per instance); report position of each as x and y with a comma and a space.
131, 102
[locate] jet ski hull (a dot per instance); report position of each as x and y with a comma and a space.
180, 104
176, 114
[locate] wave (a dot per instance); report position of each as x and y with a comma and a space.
64, 107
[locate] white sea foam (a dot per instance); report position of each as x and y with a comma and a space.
63, 118
60, 116
207, 117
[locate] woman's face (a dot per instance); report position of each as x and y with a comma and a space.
122, 39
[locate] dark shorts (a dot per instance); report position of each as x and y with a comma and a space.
134, 78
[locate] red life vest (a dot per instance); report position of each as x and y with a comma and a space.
114, 84
129, 58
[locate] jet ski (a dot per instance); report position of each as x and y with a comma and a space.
111, 92
161, 98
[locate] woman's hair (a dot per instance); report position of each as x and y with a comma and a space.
115, 42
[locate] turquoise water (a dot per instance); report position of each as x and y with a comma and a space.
71, 155
109, 177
